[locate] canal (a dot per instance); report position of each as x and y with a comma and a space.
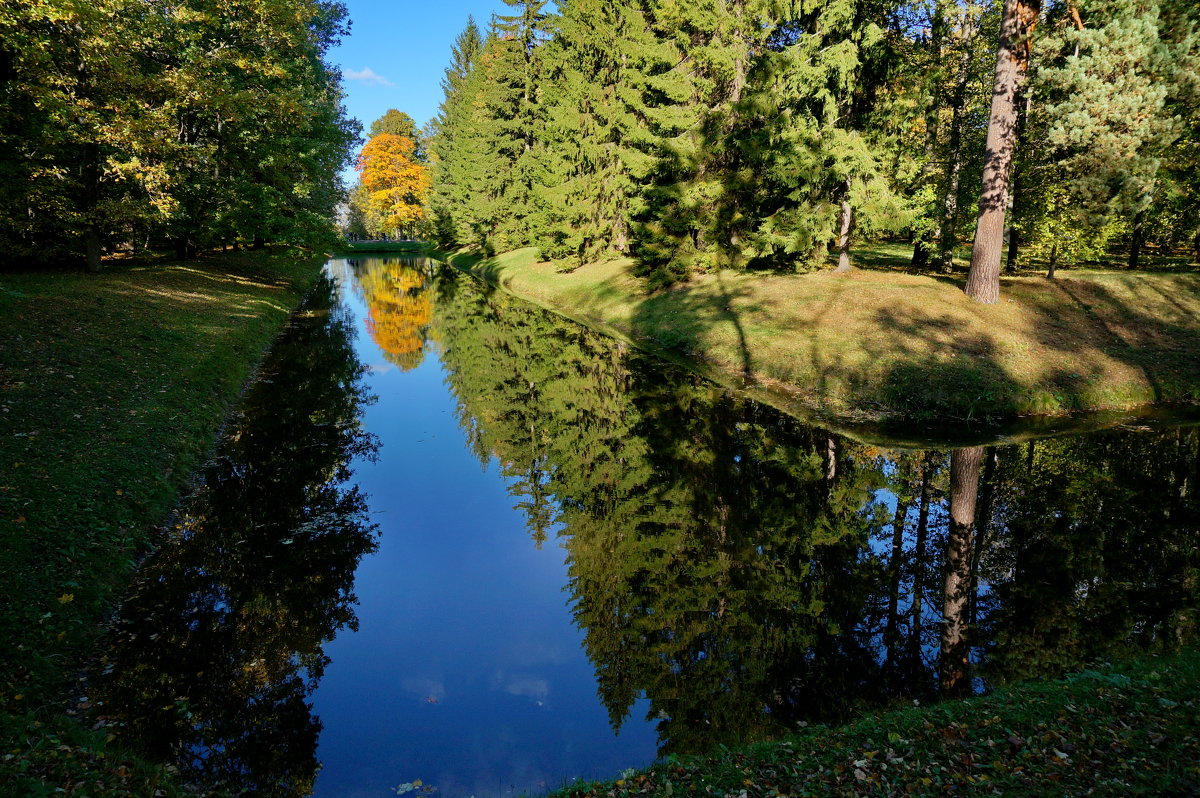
454, 544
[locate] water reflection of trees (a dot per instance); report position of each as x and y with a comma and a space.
744, 571
219, 645
399, 308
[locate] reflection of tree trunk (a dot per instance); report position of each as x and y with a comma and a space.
983, 535
919, 546
831, 455
891, 634
955, 652
1016, 31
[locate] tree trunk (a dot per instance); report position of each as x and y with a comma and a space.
1053, 261
920, 256
91, 199
922, 251
983, 525
956, 649
1012, 62
92, 244
949, 226
847, 221
1013, 261
259, 242
1014, 234
1137, 239
919, 545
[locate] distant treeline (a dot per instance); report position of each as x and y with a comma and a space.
127, 124
759, 133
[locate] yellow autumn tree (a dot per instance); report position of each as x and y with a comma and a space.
393, 185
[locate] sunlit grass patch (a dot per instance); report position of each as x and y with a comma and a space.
890, 342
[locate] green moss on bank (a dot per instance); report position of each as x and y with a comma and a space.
876, 344
112, 389
1116, 731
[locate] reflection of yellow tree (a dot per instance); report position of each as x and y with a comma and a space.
399, 311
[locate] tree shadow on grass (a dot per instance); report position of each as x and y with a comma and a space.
680, 320
1075, 346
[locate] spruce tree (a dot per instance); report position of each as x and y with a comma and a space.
816, 158
600, 146
452, 178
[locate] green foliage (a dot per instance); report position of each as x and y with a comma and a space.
699, 136
191, 124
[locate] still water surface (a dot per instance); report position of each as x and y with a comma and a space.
453, 538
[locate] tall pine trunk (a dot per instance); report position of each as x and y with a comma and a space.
1012, 62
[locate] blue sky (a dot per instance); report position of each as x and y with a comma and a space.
397, 50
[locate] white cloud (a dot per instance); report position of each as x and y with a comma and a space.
367, 76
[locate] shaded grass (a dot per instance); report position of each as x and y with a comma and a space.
112, 389
879, 344
1132, 729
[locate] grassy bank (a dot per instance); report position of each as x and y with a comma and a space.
358, 247
112, 388
1116, 731
883, 343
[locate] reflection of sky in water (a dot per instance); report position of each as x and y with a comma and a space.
466, 671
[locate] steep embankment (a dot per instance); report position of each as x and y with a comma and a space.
112, 388
876, 344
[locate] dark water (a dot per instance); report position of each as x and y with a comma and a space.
453, 538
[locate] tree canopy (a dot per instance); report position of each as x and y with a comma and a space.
125, 125
758, 134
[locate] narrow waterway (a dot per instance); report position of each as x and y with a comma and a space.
453, 544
